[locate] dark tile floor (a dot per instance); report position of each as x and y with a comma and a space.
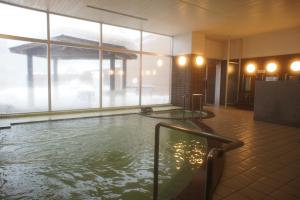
266, 167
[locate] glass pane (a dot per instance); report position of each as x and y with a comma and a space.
157, 43
120, 82
23, 77
22, 22
123, 38
73, 30
75, 77
156, 73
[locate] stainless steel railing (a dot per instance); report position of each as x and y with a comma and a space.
185, 97
192, 99
230, 144
194, 96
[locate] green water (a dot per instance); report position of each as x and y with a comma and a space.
97, 158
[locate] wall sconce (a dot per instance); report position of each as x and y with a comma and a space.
250, 68
271, 67
199, 60
182, 60
295, 66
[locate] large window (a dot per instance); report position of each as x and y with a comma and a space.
75, 77
120, 83
122, 38
81, 64
72, 30
156, 80
23, 77
22, 22
157, 43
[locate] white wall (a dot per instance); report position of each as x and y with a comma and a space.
274, 43
235, 49
182, 44
198, 43
214, 49
267, 44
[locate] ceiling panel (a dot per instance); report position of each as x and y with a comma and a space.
230, 18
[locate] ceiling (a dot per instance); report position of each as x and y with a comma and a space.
217, 18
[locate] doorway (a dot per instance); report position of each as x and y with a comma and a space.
213, 82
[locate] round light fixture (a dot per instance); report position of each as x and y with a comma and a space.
271, 67
250, 68
295, 66
199, 60
182, 60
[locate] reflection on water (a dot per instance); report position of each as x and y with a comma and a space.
192, 152
99, 158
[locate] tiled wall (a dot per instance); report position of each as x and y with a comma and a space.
187, 80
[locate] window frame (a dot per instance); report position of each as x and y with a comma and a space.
99, 47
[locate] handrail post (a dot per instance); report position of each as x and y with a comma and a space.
156, 160
200, 104
213, 153
184, 102
193, 109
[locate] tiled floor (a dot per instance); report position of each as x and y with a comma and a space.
266, 167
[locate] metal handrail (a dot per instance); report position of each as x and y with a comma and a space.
230, 144
184, 104
200, 104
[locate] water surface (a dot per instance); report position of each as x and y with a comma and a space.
96, 158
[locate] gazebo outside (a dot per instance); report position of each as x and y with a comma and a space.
59, 52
